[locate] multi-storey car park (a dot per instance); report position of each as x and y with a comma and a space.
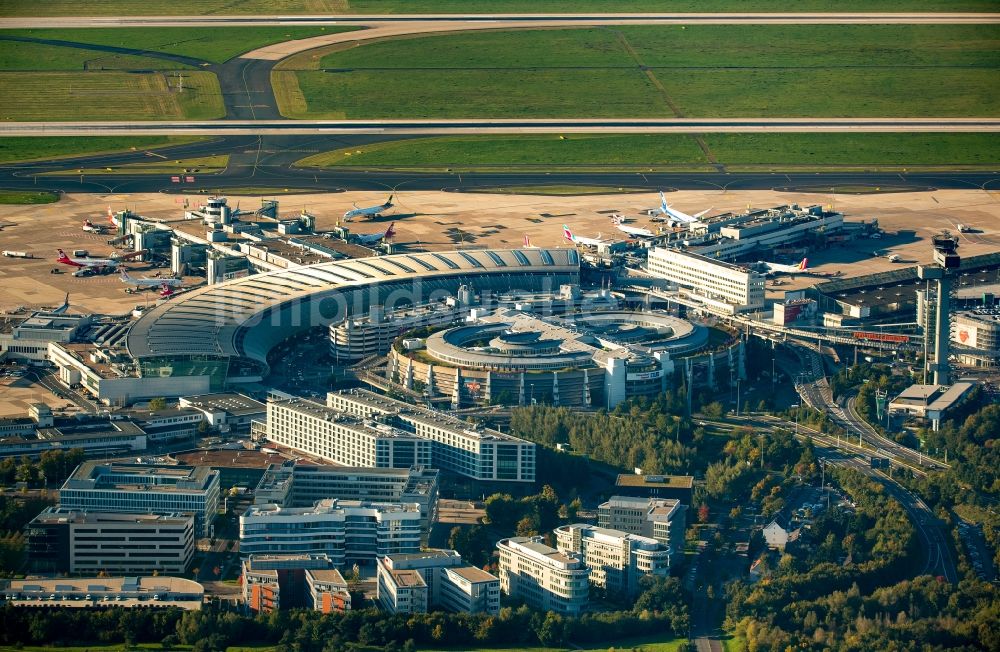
224, 332
589, 359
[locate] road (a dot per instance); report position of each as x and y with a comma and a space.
433, 127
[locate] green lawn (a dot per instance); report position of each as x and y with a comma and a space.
209, 44
202, 165
25, 149
666, 151
26, 197
195, 7
108, 96
644, 644
703, 71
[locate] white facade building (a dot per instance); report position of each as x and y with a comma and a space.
661, 519
543, 577
616, 559
712, 281
348, 531
144, 489
445, 582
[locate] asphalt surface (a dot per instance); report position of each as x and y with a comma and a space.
461, 20
252, 72
268, 162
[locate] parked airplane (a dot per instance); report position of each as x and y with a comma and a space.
147, 282
527, 244
371, 211
112, 218
578, 240
676, 217
778, 268
635, 231
85, 262
374, 238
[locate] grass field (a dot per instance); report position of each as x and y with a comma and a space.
208, 44
21, 197
557, 190
647, 71
670, 152
27, 149
108, 96
228, 7
201, 165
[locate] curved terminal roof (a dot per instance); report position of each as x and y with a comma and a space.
245, 317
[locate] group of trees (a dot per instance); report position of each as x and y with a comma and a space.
659, 610
649, 434
843, 587
15, 513
52, 467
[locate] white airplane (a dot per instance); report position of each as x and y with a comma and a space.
676, 217
85, 262
148, 282
371, 211
578, 240
527, 244
778, 268
61, 309
373, 238
635, 231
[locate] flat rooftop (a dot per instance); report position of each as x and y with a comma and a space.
231, 402
932, 397
473, 574
669, 481
407, 578
62, 515
96, 475
326, 575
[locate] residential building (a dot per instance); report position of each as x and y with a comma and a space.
543, 577
349, 531
722, 285
144, 489
661, 519
446, 582
61, 540
779, 533
93, 592
294, 484
617, 560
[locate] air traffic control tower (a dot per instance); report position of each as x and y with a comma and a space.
946, 261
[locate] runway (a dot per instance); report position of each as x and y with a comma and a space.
498, 126
268, 162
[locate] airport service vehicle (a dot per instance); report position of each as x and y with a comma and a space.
964, 228
147, 282
675, 217
579, 240
371, 211
778, 268
90, 227
374, 238
17, 254
894, 258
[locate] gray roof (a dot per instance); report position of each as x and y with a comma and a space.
209, 320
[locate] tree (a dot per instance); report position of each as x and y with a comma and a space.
526, 527
703, 513
157, 404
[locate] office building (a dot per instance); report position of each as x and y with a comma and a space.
543, 577
348, 531
456, 445
281, 581
328, 590
661, 519
144, 489
930, 402
294, 484
61, 540
722, 285
445, 582
96, 592
617, 560
364, 429
228, 412
678, 487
